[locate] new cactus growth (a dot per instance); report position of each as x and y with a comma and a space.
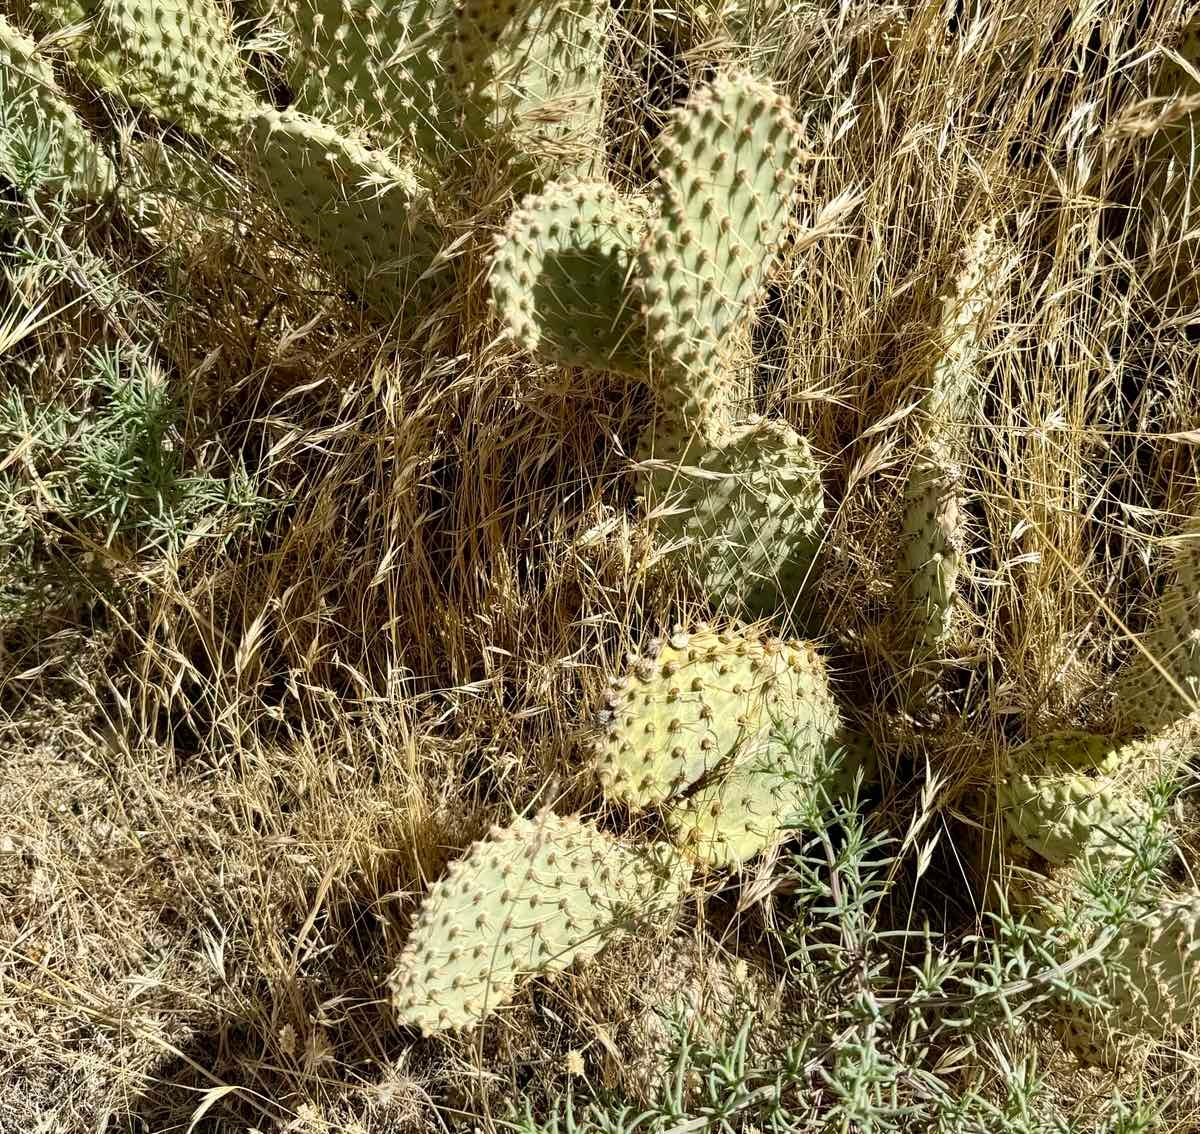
1159, 689
528, 899
364, 211
741, 498
1065, 800
723, 729
35, 109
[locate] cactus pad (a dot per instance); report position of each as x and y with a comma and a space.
175, 58
530, 898
723, 729
748, 511
1145, 698
933, 534
1152, 979
727, 179
362, 211
559, 276
1063, 799
35, 111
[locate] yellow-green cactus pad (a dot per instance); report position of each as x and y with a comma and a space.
528, 899
361, 210
746, 511
41, 136
1065, 800
728, 172
560, 273
934, 523
724, 730
175, 58
1152, 980
1146, 699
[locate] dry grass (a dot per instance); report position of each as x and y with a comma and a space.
222, 799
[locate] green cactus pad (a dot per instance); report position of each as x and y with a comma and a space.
933, 537
175, 58
728, 174
1064, 800
747, 511
528, 899
724, 729
560, 272
1145, 698
1152, 980
37, 113
365, 213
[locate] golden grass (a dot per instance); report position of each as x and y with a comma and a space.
220, 807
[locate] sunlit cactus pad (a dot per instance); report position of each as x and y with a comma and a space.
174, 58
1151, 978
1065, 799
528, 899
728, 166
1147, 699
35, 111
560, 275
747, 511
722, 728
934, 535
365, 213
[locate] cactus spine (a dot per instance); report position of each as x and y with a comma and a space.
527, 899
741, 498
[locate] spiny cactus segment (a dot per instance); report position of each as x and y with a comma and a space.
1065, 798
175, 58
35, 111
727, 180
724, 729
1151, 979
935, 503
443, 76
362, 210
1146, 699
527, 899
746, 511
559, 276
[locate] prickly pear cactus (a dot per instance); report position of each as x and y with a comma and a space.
559, 276
1068, 797
726, 186
935, 513
1152, 979
724, 730
444, 76
1146, 699
175, 58
34, 111
746, 511
362, 210
528, 899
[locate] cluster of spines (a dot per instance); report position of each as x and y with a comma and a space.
530, 898
724, 731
